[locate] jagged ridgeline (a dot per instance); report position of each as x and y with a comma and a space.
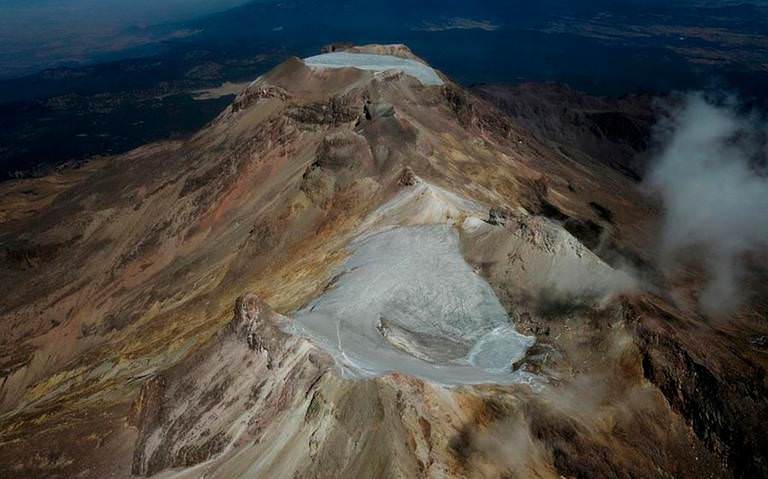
358, 269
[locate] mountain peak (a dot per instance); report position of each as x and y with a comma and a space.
358, 263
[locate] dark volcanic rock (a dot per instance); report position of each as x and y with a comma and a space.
726, 407
498, 216
407, 177
335, 111
253, 95
377, 110
615, 132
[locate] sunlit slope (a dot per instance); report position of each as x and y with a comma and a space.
349, 273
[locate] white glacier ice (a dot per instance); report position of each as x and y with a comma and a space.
407, 301
376, 63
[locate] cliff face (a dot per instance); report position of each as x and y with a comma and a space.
194, 307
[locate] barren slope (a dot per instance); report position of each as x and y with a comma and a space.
234, 304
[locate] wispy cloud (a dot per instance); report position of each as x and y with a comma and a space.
715, 197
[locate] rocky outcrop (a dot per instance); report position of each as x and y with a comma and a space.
335, 111
407, 177
255, 401
376, 110
258, 325
470, 112
498, 216
341, 157
395, 50
725, 407
318, 184
344, 150
192, 412
254, 94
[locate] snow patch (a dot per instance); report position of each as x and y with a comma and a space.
376, 63
415, 279
423, 204
473, 224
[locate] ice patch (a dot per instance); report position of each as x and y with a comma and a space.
376, 63
473, 224
422, 204
445, 323
499, 348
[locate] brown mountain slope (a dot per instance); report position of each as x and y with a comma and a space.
614, 131
125, 349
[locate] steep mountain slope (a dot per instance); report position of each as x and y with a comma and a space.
356, 273
614, 131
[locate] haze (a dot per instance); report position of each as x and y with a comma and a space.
41, 33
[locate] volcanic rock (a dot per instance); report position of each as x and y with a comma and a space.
280, 295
